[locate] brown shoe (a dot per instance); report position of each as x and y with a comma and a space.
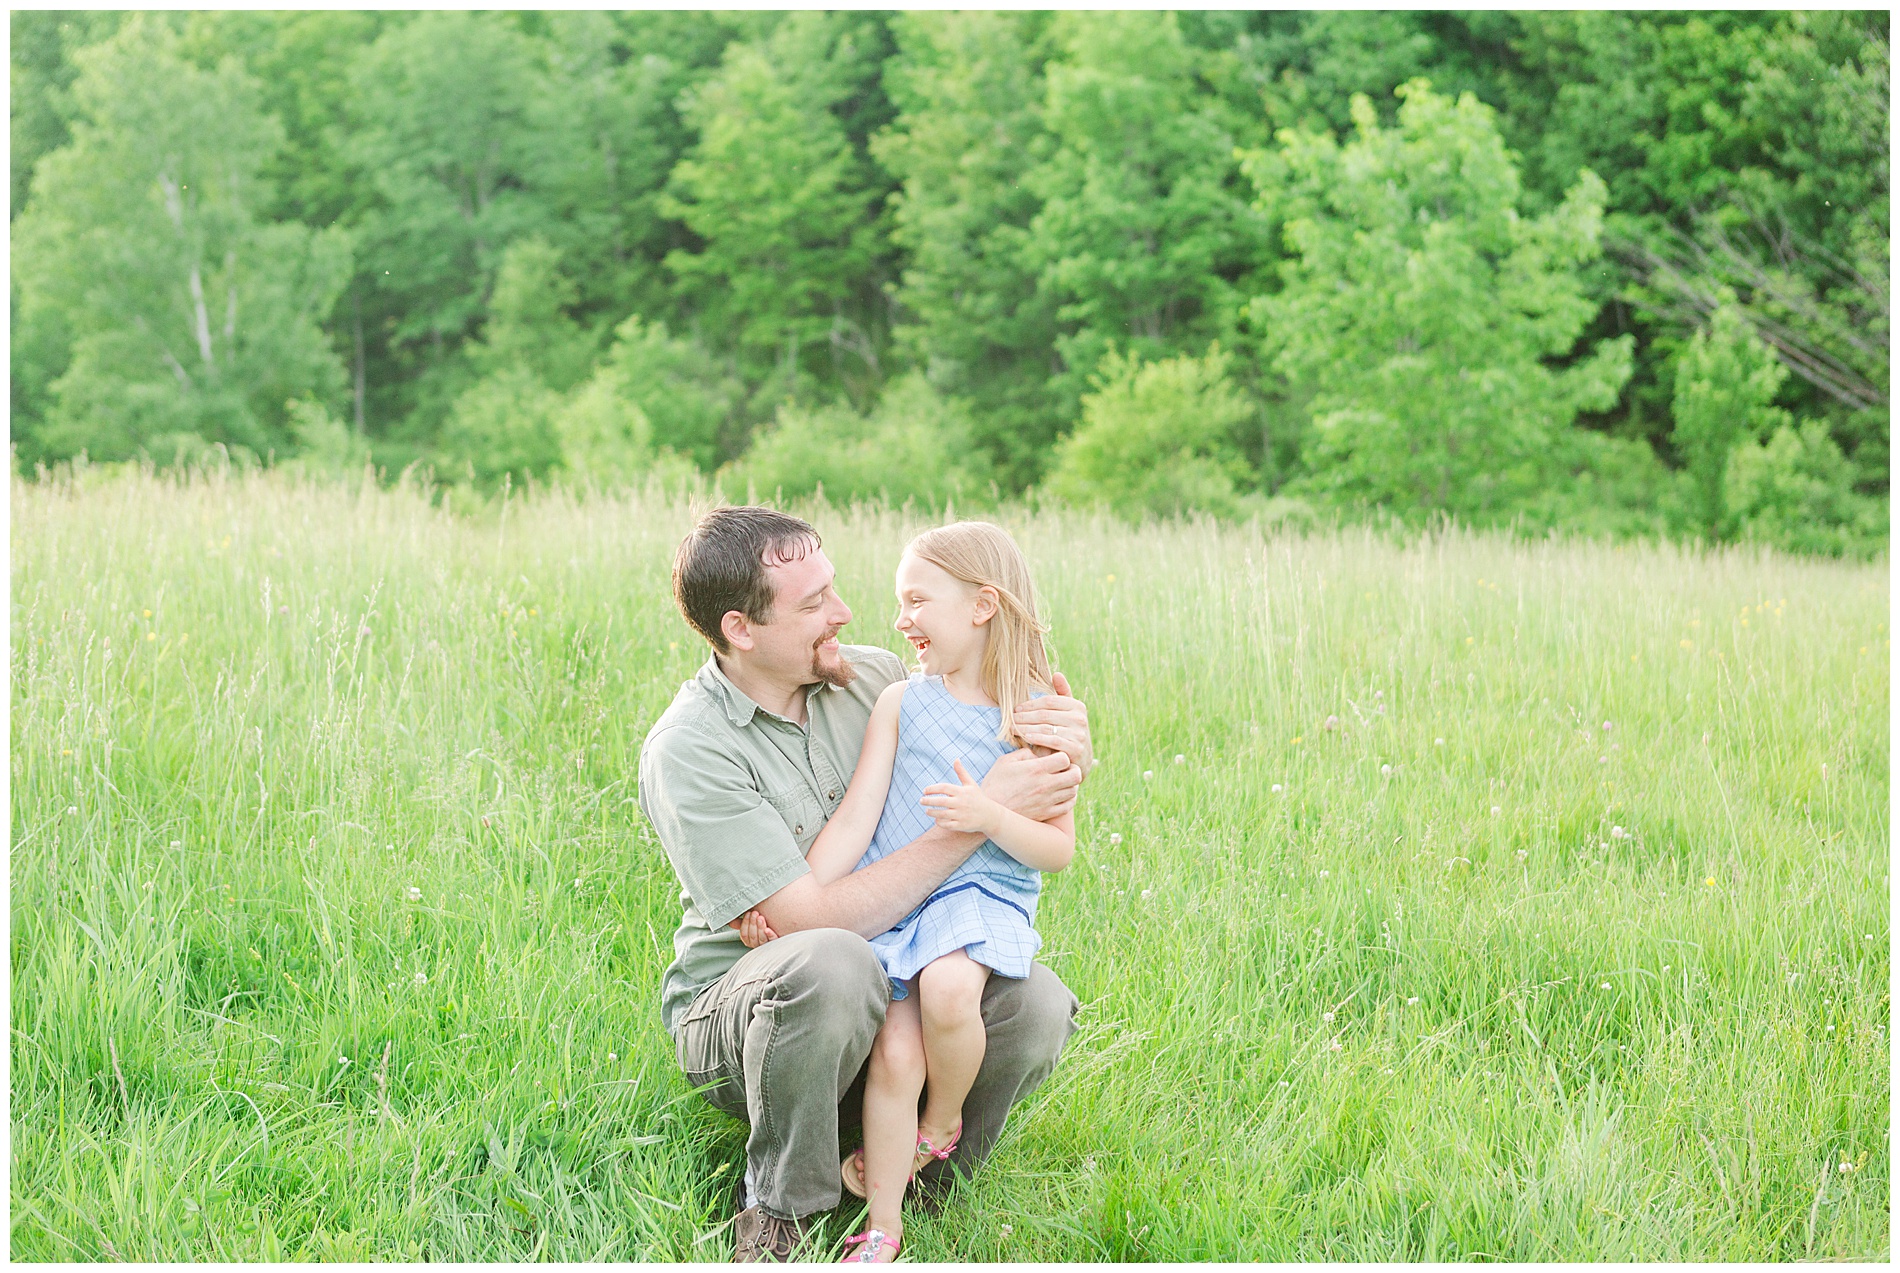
760, 1237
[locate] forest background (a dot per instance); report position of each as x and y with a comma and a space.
1619, 273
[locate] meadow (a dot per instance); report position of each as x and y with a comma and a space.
1448, 896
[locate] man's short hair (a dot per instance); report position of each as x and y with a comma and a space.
721, 566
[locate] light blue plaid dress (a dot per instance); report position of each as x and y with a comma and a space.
987, 907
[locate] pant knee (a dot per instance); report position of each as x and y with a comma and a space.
833, 964
1037, 1013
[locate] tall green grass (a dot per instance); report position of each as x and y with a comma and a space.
1458, 898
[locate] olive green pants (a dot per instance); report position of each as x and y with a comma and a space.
782, 1039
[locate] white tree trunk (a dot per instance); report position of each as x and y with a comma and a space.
203, 318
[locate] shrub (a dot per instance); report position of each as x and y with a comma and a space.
1156, 438
1795, 491
501, 424
913, 446
1725, 387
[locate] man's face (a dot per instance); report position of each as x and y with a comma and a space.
800, 638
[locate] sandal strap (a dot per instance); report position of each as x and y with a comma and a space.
873, 1240
925, 1147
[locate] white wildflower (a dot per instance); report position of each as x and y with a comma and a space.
1114, 837
1147, 774
1179, 759
1496, 810
414, 893
421, 978
1278, 787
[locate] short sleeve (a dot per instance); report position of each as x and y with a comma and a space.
730, 849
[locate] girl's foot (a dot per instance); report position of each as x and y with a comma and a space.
877, 1247
927, 1146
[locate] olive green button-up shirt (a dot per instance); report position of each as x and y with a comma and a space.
737, 795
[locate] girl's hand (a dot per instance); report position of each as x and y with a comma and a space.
753, 930
961, 805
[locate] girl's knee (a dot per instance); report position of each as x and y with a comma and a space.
898, 1055
952, 989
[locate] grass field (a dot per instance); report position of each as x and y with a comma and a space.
1464, 898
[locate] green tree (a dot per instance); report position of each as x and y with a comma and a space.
607, 135
1795, 491
1421, 313
142, 239
792, 257
689, 398
1146, 230
1747, 159
1157, 438
529, 354
913, 446
968, 87
440, 125
1726, 381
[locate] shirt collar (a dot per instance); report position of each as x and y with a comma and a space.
737, 704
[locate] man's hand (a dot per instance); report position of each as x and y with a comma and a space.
753, 930
961, 805
1058, 722
1038, 787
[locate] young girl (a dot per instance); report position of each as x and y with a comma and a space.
966, 604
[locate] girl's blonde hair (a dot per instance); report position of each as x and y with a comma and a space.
1014, 661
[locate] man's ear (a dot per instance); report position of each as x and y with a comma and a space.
738, 631
987, 604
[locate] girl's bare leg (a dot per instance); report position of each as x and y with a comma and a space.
890, 1112
951, 993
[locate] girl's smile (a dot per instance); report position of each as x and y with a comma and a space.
942, 618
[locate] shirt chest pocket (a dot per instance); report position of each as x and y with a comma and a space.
801, 811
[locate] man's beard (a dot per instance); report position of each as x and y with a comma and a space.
839, 674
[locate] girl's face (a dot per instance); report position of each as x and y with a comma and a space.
942, 617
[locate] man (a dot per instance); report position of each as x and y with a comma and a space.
737, 777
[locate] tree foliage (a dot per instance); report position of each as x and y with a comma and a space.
1420, 313
586, 242
188, 315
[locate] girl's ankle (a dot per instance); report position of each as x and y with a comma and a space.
938, 1135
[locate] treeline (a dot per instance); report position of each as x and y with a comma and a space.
1624, 272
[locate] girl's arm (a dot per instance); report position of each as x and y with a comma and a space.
848, 834
962, 806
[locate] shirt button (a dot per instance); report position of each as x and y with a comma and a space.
831, 795
799, 829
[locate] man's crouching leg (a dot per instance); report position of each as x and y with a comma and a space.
783, 1034
1026, 1022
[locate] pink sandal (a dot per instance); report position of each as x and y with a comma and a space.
927, 1151
875, 1243
852, 1168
